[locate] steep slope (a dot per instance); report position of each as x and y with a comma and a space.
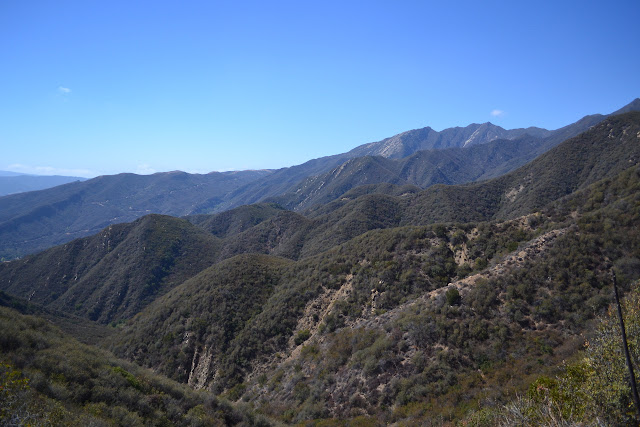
34, 221
603, 151
202, 317
325, 179
114, 274
37, 220
422, 169
407, 143
236, 220
470, 339
414, 317
49, 378
22, 183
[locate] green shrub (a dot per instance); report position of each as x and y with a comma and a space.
453, 296
302, 336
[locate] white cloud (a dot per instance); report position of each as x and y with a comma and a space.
63, 90
145, 169
49, 170
497, 113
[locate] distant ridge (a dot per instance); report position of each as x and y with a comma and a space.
33, 221
12, 183
37, 220
407, 143
254, 301
287, 181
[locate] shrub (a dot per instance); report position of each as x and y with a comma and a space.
453, 296
302, 336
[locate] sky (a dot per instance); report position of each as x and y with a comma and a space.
102, 87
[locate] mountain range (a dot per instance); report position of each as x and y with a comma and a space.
12, 182
33, 221
407, 289
39, 219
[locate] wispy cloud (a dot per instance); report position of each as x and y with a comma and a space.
64, 90
145, 169
49, 170
497, 113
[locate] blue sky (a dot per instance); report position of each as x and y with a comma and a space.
92, 88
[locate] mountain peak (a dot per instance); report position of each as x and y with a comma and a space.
632, 106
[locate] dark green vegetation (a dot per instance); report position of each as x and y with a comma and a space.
389, 305
49, 378
34, 221
377, 318
114, 274
591, 390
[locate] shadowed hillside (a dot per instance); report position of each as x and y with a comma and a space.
111, 276
114, 274
390, 304
49, 378
401, 316
34, 221
40, 219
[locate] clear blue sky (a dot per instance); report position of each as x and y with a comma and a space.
102, 87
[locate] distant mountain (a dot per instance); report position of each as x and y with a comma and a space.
407, 143
287, 180
393, 309
603, 151
421, 169
17, 183
295, 180
475, 161
417, 302
40, 219
33, 221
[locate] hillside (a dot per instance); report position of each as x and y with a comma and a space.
33, 221
49, 378
404, 318
114, 274
111, 276
389, 304
20, 183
